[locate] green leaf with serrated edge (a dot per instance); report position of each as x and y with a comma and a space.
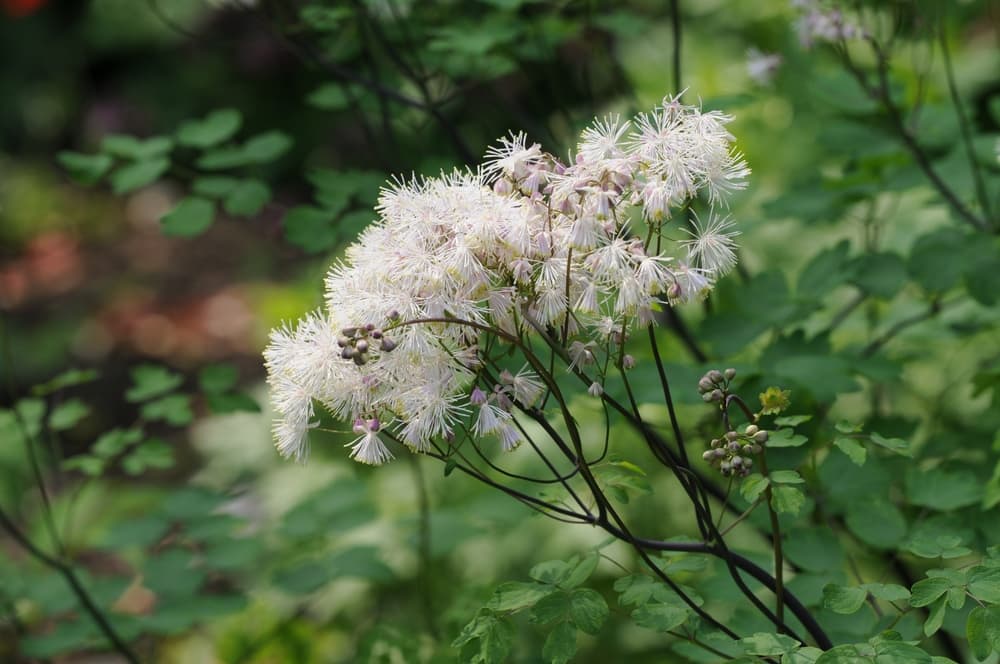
553, 572
247, 198
982, 628
588, 610
943, 488
86, 169
560, 645
786, 477
764, 644
853, 449
214, 128
936, 617
897, 445
191, 216
787, 499
217, 378
150, 380
984, 584
582, 571
496, 642
785, 438
517, 595
752, 486
926, 591
137, 175
956, 598
69, 378
791, 420
68, 414
890, 592
843, 599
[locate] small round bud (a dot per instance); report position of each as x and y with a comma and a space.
725, 466
360, 359
369, 327
704, 384
708, 397
715, 442
359, 426
386, 344
347, 353
755, 448
362, 346
747, 449
374, 424
747, 462
751, 429
734, 447
628, 362
760, 437
477, 397
392, 315
708, 455
720, 453
343, 341
349, 331
715, 376
717, 395
730, 373
732, 435
376, 333
737, 461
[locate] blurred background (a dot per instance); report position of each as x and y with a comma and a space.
154, 470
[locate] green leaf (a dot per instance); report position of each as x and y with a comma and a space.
192, 216
214, 128
217, 378
113, 442
517, 595
91, 466
897, 445
560, 645
984, 584
69, 378
310, 228
153, 453
267, 147
150, 380
936, 617
877, 522
943, 489
931, 261
214, 186
764, 644
588, 610
247, 198
785, 438
814, 549
879, 274
926, 544
842, 599
897, 652
68, 414
752, 486
554, 606
329, 97
853, 449
786, 477
174, 409
582, 571
85, 168
827, 270
982, 628
926, 591
845, 427
791, 420
141, 173
660, 617
496, 642
787, 499
233, 402
890, 592
130, 147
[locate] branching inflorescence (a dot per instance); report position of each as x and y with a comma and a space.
527, 247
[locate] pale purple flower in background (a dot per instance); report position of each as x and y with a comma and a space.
762, 67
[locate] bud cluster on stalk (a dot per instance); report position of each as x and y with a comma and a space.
714, 385
732, 453
356, 342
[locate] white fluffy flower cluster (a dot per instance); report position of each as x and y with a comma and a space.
822, 24
527, 243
